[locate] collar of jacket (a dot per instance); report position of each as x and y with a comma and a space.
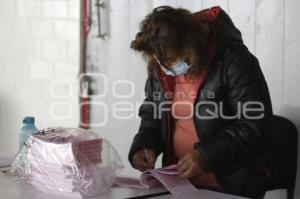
210, 13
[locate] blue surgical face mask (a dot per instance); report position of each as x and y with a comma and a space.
176, 69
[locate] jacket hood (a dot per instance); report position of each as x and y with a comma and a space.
221, 23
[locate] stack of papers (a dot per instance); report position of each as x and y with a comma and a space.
68, 164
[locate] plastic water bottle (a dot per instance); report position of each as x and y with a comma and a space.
28, 129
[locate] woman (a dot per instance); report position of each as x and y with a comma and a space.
207, 103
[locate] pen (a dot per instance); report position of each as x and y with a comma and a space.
147, 158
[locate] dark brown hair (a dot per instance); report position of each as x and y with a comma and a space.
170, 33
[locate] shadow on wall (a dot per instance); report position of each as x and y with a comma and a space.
293, 114
7, 136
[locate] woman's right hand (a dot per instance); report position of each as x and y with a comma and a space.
144, 159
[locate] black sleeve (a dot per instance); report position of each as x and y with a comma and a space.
149, 133
243, 139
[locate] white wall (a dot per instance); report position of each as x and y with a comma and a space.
269, 29
39, 50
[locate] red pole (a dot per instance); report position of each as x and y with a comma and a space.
84, 100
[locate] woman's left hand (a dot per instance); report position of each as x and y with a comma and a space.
190, 165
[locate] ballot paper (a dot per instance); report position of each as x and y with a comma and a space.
67, 161
52, 157
167, 177
180, 188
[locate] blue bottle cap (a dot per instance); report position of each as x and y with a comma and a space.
28, 120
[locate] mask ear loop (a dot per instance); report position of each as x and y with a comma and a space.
162, 48
163, 67
186, 60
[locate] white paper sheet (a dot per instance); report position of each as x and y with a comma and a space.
168, 177
180, 188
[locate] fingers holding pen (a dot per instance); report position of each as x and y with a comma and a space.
144, 159
151, 158
190, 165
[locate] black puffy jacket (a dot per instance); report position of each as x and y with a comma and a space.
236, 150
